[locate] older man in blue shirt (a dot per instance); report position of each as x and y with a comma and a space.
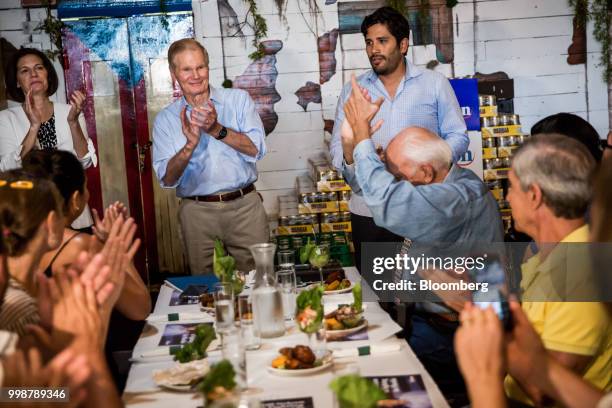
206, 145
418, 193
412, 96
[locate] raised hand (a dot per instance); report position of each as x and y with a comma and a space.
191, 130
35, 114
76, 106
119, 251
359, 111
102, 227
479, 344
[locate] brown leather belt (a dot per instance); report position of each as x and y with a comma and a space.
216, 198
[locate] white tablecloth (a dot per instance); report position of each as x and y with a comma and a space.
140, 390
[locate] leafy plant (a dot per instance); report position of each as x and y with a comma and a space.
259, 26
196, 350
599, 14
353, 391
224, 267
53, 27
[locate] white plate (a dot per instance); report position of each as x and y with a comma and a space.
179, 388
338, 291
337, 334
302, 372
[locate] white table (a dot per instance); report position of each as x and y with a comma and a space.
140, 390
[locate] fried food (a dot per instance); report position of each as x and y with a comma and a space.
333, 324
304, 354
298, 357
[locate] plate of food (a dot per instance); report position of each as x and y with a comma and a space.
299, 361
336, 282
183, 376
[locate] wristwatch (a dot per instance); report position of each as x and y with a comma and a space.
222, 133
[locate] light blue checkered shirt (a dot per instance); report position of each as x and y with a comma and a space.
214, 166
424, 98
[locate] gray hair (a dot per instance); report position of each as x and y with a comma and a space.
428, 150
562, 167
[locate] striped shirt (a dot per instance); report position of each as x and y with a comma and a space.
424, 98
18, 309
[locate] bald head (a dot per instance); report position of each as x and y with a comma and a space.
419, 156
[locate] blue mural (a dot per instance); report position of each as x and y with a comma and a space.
118, 8
108, 39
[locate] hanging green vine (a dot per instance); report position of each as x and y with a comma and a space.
599, 14
53, 27
260, 29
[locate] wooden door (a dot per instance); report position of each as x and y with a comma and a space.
121, 65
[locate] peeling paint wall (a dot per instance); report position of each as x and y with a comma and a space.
527, 39
315, 53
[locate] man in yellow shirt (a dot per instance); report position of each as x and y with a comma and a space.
549, 193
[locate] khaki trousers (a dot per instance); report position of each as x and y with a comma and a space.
238, 223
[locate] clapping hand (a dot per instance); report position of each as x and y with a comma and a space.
76, 106
34, 113
102, 227
359, 111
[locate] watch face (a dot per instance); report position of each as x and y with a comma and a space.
222, 133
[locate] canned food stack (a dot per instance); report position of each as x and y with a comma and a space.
319, 212
501, 136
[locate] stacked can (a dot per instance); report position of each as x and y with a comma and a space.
501, 136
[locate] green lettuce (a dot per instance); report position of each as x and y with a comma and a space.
357, 298
353, 391
224, 267
306, 250
312, 298
221, 374
196, 350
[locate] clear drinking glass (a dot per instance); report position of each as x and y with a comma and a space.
288, 289
224, 306
286, 259
251, 339
233, 350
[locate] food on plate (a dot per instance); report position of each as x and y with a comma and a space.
182, 374
207, 300
336, 281
295, 358
347, 316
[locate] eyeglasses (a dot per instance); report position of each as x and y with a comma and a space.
18, 185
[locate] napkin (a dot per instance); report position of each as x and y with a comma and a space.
374, 349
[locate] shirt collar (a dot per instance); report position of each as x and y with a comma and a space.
412, 71
580, 234
452, 174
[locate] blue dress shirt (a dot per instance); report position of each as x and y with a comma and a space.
460, 209
214, 166
423, 98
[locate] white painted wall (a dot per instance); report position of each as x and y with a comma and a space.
14, 21
527, 39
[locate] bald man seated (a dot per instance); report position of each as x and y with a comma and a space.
413, 189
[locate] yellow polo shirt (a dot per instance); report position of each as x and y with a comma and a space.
583, 328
